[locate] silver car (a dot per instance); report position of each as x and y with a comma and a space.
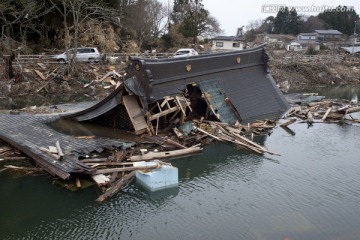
84, 54
185, 52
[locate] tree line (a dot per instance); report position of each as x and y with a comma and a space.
34, 25
288, 21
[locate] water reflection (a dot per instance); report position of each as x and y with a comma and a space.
88, 129
19, 102
347, 92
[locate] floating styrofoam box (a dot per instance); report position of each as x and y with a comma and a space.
157, 179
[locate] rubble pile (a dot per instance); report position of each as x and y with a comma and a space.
54, 78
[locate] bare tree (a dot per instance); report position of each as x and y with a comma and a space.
145, 20
157, 13
17, 19
312, 23
76, 13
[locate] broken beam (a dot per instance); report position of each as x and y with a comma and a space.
117, 187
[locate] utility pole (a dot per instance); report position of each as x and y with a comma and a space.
353, 46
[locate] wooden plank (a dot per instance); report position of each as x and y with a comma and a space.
326, 114
291, 121
168, 154
112, 82
48, 152
100, 180
40, 74
125, 169
91, 160
77, 183
60, 152
173, 143
41, 65
110, 164
53, 150
51, 73
132, 107
178, 133
163, 113
180, 105
210, 135
116, 187
23, 168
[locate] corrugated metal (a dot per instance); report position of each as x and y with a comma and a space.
216, 96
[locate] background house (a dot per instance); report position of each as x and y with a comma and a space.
228, 43
275, 41
329, 35
303, 42
306, 37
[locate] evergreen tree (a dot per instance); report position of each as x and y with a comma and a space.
294, 24
287, 22
281, 21
342, 19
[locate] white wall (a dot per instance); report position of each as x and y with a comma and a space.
306, 37
227, 45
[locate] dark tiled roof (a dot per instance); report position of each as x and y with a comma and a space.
228, 38
307, 34
330, 31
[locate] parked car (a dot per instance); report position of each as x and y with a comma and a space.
84, 54
185, 52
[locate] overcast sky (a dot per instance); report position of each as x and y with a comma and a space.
232, 14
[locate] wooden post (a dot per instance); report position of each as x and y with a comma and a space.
60, 152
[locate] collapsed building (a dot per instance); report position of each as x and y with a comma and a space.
159, 93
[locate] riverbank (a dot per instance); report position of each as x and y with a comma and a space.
294, 70
95, 81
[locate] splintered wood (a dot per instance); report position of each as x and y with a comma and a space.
137, 119
232, 134
168, 109
325, 111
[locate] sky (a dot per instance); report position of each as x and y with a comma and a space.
232, 14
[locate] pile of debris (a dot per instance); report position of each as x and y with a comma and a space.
19, 162
317, 109
114, 169
54, 78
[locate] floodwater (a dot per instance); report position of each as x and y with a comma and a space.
311, 191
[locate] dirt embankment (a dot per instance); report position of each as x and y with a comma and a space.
302, 74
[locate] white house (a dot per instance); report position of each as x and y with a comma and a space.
294, 46
307, 36
303, 42
227, 43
